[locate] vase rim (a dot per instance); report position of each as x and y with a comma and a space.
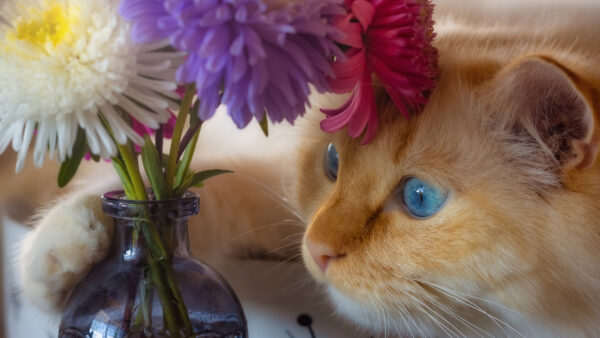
115, 204
119, 195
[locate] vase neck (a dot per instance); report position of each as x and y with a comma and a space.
150, 230
130, 244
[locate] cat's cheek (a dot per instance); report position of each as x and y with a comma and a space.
353, 310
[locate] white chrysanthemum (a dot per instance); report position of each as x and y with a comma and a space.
70, 63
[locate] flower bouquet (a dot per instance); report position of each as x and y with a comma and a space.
113, 79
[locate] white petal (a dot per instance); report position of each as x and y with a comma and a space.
5, 137
149, 47
143, 116
160, 56
112, 117
64, 141
156, 85
150, 101
154, 68
27, 135
52, 139
41, 142
17, 134
108, 146
90, 133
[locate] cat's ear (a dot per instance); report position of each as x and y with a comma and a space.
554, 106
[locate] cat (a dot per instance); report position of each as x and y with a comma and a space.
480, 216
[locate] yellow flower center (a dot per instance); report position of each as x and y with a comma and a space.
45, 27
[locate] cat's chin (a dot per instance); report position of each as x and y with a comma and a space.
376, 320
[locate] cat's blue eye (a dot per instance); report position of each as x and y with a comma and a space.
331, 163
422, 199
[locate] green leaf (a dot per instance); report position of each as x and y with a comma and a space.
184, 166
68, 169
204, 175
264, 125
165, 160
198, 178
95, 157
125, 179
185, 184
153, 169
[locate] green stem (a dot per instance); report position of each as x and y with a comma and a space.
134, 173
159, 270
169, 239
176, 139
146, 297
184, 164
183, 313
168, 312
156, 257
152, 238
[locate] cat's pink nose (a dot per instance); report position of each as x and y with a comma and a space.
321, 253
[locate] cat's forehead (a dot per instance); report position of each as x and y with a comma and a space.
452, 115
446, 138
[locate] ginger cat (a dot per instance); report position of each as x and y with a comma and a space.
478, 217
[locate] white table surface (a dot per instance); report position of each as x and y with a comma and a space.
273, 295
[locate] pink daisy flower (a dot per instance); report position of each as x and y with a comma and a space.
391, 39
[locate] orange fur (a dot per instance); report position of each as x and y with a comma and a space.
515, 248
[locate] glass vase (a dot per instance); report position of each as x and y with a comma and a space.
149, 285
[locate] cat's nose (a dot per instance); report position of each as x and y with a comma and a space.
321, 253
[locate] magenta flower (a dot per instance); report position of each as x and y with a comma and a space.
144, 130
254, 56
391, 39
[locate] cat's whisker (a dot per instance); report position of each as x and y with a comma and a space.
275, 224
464, 301
420, 306
398, 330
404, 311
476, 329
383, 317
437, 314
405, 322
293, 222
452, 294
282, 263
291, 287
283, 246
290, 237
503, 307
274, 196
463, 296
284, 188
411, 319
377, 305
386, 316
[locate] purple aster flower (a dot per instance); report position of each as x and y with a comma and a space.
253, 56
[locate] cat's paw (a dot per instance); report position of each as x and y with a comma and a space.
68, 240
